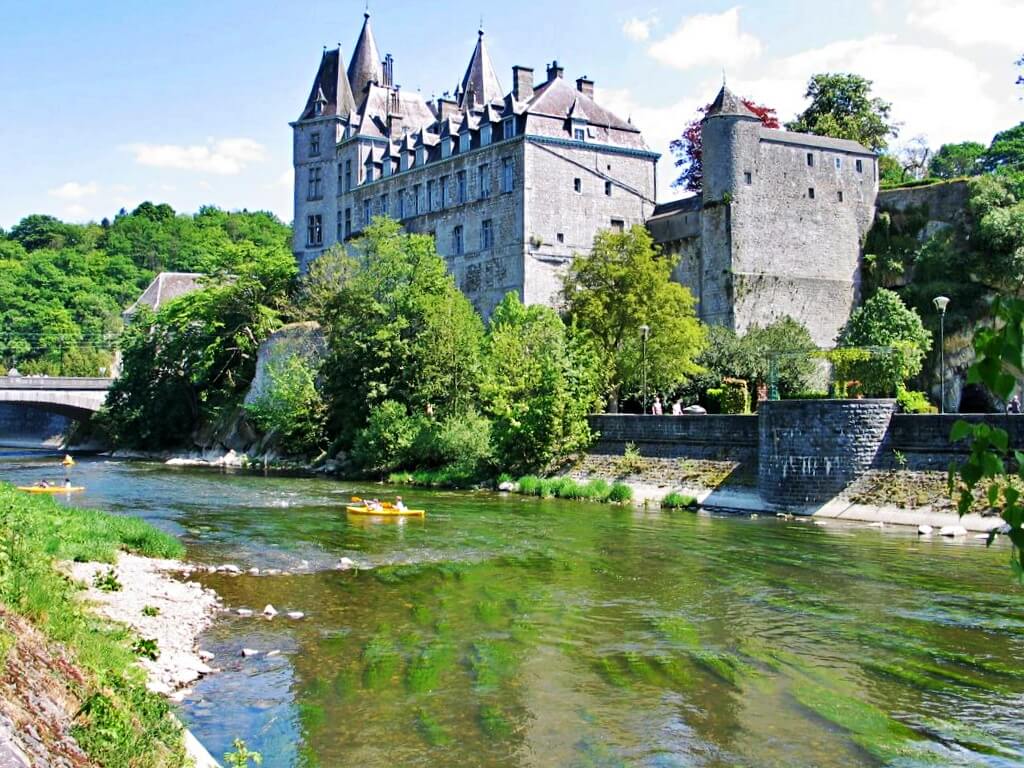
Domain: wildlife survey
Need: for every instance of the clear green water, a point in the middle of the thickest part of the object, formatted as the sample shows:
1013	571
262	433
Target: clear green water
504	631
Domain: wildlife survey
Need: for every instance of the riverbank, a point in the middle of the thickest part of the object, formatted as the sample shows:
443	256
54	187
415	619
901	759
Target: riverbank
72	690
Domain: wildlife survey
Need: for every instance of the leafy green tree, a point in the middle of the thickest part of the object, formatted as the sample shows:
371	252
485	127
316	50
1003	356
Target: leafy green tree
788	343
842	107
953	161
891	172
900	340
196	358
541	382
996	210
399	329
1006	152
291	406
621	285
41	231
386	442
318	287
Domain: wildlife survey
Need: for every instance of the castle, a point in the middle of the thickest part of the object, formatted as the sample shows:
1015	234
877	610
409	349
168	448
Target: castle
512	185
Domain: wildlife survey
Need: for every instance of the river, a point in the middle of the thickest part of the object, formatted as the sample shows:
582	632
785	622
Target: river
504	631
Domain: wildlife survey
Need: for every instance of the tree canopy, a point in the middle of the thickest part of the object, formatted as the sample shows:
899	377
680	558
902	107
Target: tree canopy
625	283
952	161
842	107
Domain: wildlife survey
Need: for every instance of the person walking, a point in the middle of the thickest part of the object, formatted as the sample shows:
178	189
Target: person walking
677	408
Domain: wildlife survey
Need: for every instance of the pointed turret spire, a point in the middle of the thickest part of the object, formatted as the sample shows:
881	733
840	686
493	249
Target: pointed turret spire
480	84
365	67
330	94
728	103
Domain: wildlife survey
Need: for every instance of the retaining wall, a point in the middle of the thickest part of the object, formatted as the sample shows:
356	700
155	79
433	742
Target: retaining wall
685	437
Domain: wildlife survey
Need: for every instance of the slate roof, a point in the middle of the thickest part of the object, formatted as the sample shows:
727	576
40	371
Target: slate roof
331	84
728	103
812	140
365	67
480	84
165	287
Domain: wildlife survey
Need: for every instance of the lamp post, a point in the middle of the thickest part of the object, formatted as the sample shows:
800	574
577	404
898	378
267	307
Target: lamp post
644	331
941	302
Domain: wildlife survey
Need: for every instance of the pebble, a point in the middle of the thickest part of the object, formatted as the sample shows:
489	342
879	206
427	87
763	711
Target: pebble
820	522
270	611
952	530
205	655
229	568
981	536
254	571
345	564
507	486
754	516
924	530
295	614
272	572
249	652
879	524
244	612
275	652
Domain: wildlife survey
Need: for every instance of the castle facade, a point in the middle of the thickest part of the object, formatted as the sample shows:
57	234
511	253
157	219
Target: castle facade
513	184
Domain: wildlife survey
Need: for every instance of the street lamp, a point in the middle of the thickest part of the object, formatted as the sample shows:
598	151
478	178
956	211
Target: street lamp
941	302
644	331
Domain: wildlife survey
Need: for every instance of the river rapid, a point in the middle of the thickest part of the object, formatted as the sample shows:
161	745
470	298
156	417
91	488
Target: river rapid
505	631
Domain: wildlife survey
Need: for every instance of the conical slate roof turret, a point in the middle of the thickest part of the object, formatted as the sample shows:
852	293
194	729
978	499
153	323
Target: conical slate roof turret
365	67
330	91
480	84
727	103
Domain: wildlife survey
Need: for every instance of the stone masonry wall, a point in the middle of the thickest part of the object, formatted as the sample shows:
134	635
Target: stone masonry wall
689	437
810	450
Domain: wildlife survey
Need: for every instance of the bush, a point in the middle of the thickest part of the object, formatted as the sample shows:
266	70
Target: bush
631	461
676	500
813	395
529	485
384	444
291	406
911	401
878	372
460	444
620	493
732	397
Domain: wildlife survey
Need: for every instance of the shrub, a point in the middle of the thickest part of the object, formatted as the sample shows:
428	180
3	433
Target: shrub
631	461
291	406
677	500
462	445
597	489
620	493
735	397
911	401
877	372
812	395
384	444
529	485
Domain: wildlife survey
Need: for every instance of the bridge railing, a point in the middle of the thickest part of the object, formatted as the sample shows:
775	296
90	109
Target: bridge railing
54	382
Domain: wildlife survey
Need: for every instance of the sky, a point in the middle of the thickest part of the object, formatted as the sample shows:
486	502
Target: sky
106	104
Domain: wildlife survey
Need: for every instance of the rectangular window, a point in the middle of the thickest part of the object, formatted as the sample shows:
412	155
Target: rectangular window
484	180
443	191
486	235
366	212
748	177
485	134
618	225
348	175
369	172
860	166
348	222
507	174
608	188
464	142
810	159
839	195
314	145
510	127
579	134
341	178
416	200
560	237
314	230
401	204
460	188
314	192
457	241
839	163
577	185
810	193
341	225
384	205
431	195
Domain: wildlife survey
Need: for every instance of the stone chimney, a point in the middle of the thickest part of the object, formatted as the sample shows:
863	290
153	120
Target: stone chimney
395	113
555	70
446	108
585	86
522	83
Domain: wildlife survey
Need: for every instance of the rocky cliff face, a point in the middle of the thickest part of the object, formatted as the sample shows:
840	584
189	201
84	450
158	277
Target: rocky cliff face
304	339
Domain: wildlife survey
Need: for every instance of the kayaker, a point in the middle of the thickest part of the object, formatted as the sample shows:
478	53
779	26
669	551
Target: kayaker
43	484
399	504
374	506
67	482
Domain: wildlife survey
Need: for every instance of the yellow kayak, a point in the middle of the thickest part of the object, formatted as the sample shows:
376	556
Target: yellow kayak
51	488
384	511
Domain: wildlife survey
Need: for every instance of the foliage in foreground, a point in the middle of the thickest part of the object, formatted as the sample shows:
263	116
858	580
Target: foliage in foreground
291	406
120	723
993	464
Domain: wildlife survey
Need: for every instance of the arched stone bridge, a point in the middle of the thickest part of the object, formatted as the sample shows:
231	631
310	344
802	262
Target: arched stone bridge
76	398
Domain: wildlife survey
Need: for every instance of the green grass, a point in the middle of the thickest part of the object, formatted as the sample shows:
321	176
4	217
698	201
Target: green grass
120	724
677	500
598	489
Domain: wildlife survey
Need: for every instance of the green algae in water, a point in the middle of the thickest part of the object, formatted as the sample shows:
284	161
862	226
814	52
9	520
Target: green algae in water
965	736
677	629
424	672
431	730
380	660
724	666
492	663
494	723
609	669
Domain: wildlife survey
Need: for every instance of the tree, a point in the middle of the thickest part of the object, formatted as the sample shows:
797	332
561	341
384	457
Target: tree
914	157
318	287
842	107
542	380
291	406
955	160
689	148
399	329
785	345
898	337
621	285
1006	152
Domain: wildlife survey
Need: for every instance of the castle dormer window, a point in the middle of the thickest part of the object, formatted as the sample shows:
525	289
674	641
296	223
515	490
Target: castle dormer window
579	134
464	141
509	127
314	145
485	134
421	155
446	146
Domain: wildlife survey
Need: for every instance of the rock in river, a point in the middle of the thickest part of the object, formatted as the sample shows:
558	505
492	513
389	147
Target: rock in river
270	611
924	530
952	530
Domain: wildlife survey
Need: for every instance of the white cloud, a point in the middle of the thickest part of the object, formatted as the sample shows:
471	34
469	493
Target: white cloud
638	30
972	22
72	190
707	40
76	211
225	157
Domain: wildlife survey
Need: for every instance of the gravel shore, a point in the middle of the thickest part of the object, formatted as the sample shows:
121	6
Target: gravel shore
183	610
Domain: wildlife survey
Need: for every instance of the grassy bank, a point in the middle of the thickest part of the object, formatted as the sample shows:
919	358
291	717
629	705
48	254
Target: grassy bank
119	724
567	488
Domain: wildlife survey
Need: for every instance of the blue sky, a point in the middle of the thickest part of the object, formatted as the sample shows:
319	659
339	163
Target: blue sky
106	104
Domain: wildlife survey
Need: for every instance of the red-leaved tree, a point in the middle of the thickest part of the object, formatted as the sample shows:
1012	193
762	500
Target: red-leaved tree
689	149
